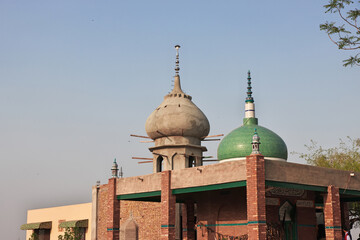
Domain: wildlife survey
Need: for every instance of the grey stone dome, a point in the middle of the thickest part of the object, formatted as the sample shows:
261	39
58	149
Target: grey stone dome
177	115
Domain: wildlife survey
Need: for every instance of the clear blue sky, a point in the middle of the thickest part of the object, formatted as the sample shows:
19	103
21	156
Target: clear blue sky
77	77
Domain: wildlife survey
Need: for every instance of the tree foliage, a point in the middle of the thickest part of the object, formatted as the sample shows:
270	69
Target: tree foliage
34	236
72	234
347	35
346	156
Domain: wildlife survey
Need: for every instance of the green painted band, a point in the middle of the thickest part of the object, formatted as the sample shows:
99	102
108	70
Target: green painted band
333	227
295	186
209	187
168	226
257	222
113	229
138	195
306	225
184	229
350	192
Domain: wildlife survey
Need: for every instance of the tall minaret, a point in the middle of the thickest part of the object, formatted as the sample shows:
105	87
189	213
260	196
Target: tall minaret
177	126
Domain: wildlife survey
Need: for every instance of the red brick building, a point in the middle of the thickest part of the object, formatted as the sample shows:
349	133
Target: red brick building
252	193
249	194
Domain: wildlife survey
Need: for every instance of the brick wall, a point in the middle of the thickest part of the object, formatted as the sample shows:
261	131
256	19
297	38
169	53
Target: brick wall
332	214
188	220
108	212
103	216
306	223
345	221
167	208
145	214
221	211
256	207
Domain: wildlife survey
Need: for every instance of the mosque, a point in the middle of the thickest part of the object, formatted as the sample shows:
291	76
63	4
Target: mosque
251	193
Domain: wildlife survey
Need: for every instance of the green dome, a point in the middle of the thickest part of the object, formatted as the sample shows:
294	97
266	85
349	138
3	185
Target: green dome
237	144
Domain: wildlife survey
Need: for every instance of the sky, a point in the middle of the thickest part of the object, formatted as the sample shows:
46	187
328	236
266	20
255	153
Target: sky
78	77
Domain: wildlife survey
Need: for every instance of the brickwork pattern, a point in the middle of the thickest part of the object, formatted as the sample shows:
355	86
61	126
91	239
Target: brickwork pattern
332	214
103	217
345	221
146	215
255	193
188	221
306	223
223	212
167	208
108	212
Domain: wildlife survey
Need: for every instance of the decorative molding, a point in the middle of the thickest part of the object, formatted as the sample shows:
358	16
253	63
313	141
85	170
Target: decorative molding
305	203
272	201
289	192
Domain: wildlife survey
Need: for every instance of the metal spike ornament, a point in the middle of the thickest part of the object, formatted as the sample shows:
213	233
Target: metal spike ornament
249	92
177	68
121	174
255	143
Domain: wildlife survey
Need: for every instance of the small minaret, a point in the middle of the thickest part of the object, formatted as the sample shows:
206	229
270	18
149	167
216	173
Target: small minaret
255	143
121	173
249	102
114	169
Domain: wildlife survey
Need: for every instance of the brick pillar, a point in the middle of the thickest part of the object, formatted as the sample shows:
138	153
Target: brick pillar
113	211
167	208
188	221
345	221
255	196
332	214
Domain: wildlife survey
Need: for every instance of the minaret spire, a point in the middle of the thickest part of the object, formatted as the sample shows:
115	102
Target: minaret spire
249	92
249	101
177	68
177	85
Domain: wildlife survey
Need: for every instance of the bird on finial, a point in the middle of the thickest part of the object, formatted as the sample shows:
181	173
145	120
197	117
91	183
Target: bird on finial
177	68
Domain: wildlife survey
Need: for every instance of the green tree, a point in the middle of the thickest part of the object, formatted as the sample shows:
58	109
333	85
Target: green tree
346	156
72	234
34	236
347	35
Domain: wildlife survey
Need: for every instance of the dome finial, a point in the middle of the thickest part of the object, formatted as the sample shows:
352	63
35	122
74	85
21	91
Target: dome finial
249	92
177	68
249	102
177	85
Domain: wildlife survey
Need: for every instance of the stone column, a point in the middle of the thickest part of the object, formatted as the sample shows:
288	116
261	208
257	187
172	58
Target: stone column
167	208
113	211
332	214
255	196
188	222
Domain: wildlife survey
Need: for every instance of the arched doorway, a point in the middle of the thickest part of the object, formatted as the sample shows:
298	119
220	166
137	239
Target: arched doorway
159	164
